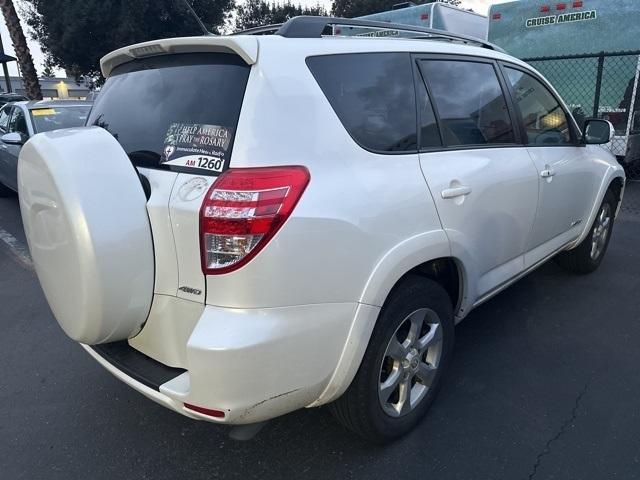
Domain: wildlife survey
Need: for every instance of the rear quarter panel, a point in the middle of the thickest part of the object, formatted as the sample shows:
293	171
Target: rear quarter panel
358	207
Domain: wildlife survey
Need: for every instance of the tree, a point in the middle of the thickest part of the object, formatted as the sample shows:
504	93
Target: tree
255	13
75	34
48	72
23	55
358	8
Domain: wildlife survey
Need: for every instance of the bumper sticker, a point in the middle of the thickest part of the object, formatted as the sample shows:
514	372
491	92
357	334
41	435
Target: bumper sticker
197	145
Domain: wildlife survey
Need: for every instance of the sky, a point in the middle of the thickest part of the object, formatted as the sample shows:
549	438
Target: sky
480	6
38	57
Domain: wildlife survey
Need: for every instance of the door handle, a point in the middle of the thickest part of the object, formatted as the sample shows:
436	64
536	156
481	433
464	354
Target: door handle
455	192
547	173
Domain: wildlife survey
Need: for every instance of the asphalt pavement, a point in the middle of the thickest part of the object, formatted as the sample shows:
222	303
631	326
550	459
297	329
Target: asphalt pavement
545	384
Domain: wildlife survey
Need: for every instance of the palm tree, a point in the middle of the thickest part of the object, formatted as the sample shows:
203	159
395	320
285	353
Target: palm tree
25	61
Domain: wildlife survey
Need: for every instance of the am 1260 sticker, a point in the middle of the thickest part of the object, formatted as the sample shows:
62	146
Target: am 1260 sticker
197	145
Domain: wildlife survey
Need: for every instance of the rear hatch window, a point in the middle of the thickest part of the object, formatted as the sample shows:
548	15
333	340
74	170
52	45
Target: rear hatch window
175	112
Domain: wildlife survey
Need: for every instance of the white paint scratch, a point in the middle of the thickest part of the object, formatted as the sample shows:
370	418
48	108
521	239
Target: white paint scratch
19	251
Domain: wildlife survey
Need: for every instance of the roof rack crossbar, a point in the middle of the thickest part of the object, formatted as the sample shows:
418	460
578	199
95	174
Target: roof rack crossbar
313	27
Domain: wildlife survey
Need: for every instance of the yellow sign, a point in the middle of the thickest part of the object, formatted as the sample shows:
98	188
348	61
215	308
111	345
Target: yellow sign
41	112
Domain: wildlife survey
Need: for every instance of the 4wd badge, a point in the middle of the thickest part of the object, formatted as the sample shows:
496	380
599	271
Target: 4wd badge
192	291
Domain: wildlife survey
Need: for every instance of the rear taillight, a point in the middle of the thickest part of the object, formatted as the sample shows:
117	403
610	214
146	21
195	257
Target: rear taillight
243	210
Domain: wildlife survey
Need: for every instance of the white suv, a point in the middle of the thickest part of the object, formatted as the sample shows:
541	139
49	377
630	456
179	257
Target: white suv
254	224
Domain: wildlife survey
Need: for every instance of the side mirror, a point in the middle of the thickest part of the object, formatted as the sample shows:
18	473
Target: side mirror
12	138
597	131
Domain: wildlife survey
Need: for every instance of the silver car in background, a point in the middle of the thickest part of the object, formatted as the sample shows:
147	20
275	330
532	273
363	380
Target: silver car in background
19	121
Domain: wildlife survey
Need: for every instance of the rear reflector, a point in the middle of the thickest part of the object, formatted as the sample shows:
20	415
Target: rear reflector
243	210
205	411
496	16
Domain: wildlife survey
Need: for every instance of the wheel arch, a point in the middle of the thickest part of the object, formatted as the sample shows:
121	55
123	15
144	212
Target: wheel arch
614	180
443	268
401	259
617	187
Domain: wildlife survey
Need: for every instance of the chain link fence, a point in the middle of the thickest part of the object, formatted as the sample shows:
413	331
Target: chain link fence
604	85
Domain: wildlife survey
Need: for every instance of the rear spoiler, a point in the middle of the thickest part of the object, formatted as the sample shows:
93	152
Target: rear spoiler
244	46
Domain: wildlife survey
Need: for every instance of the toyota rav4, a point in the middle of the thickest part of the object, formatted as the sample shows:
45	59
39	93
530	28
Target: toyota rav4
252	224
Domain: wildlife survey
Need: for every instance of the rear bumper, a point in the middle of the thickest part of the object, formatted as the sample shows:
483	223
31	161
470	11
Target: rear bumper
144	388
252	364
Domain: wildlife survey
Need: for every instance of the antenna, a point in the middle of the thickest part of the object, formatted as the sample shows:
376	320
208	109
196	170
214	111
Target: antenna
196	18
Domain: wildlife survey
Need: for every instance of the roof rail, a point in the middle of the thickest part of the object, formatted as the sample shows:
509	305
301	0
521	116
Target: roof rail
264	30
313	27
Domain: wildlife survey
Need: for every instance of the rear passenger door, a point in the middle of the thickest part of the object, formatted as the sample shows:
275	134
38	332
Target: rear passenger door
568	181
482	179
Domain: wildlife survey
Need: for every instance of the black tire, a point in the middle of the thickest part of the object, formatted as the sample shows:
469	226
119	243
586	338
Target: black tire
631	169
6	191
359	408
580	259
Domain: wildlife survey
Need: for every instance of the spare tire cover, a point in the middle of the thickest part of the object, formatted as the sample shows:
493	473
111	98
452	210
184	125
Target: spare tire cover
85	217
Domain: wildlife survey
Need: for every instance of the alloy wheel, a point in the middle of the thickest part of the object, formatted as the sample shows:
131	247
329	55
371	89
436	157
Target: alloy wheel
600	231
410	362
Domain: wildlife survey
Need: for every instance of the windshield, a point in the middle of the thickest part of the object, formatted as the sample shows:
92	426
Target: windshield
53	118
176	112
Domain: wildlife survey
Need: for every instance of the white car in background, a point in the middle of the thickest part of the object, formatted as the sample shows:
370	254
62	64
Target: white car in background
19	121
254	224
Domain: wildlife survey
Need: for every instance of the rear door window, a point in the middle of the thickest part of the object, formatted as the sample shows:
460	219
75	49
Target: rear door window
177	112
429	131
373	95
469	101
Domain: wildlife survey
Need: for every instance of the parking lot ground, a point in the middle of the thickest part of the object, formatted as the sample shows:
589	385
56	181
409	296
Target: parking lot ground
544	384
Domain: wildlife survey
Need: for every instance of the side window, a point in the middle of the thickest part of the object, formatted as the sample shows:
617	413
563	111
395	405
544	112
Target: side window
373	95
4	118
18	123
429	133
469	101
544	120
